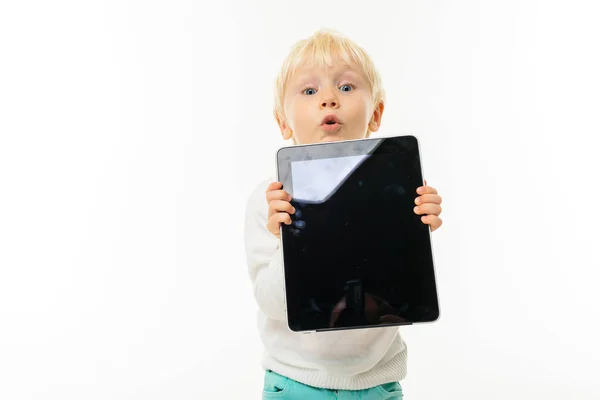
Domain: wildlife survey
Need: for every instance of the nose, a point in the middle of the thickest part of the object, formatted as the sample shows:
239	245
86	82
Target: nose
329	103
329	100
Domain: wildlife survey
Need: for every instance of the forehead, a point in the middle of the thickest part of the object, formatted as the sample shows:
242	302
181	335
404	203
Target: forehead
336	68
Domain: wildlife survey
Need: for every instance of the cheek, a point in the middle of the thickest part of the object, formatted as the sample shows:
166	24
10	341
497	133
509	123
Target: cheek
290	111
368	105
362	112
298	115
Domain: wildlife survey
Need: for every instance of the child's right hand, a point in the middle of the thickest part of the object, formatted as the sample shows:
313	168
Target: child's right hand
280	208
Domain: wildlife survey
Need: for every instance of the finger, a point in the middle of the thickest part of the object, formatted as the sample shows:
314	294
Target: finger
426	190
428	198
276	220
433	221
274	186
280	206
278	195
428	208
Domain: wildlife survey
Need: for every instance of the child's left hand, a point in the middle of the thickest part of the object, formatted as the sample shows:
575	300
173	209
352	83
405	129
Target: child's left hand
428	205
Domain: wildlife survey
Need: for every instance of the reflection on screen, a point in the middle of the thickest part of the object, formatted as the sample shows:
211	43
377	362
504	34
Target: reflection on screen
315	180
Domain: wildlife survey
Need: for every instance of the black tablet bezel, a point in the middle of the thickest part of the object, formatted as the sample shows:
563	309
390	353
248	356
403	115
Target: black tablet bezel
370	146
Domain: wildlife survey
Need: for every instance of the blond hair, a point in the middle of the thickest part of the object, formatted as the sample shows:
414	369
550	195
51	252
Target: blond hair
320	49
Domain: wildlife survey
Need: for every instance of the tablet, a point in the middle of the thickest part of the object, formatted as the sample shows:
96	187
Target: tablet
356	255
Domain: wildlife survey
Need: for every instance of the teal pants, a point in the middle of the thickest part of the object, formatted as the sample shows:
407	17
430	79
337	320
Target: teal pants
280	387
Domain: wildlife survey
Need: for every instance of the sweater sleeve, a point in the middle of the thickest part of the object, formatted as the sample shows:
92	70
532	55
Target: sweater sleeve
263	256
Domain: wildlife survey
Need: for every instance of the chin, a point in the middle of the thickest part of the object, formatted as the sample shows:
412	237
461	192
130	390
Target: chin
334	138
331	138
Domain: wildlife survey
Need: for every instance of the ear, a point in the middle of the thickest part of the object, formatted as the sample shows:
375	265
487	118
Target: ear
375	122
286	132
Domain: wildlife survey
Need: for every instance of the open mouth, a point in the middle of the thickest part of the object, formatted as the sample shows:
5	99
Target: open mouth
330	124
330	120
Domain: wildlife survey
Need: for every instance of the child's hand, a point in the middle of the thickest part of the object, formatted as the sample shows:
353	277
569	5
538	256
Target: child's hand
428	205
280	208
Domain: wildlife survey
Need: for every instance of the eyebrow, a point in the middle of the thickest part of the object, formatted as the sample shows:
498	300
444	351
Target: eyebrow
350	71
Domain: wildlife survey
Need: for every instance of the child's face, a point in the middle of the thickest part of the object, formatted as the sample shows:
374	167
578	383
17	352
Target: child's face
340	93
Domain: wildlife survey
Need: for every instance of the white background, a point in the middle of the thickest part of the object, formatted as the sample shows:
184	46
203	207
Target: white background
132	132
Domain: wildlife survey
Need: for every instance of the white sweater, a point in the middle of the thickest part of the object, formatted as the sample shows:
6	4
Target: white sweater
350	360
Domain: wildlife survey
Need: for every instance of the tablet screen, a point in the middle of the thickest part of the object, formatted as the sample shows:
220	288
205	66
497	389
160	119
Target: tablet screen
356	254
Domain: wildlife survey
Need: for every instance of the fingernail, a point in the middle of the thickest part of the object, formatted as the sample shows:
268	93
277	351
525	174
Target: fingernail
420	190
418	200
416	209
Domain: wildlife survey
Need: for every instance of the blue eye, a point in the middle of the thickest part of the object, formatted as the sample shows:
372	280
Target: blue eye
348	87
309	89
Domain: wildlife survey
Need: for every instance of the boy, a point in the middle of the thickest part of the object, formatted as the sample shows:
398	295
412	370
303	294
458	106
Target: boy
325	76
